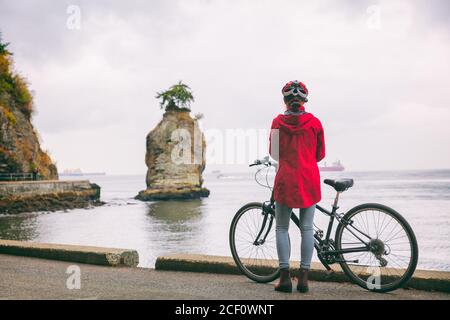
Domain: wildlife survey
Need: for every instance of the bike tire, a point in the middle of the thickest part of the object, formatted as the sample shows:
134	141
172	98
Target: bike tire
407	229
255	275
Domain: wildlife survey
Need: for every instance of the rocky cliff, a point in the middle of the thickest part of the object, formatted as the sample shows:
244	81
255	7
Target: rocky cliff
20	149
175	159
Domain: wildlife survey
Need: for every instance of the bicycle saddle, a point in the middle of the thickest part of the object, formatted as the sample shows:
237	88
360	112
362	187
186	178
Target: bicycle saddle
339	185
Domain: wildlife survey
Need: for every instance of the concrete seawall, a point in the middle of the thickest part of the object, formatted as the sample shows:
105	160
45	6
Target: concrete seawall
24	188
29	196
82	254
422	279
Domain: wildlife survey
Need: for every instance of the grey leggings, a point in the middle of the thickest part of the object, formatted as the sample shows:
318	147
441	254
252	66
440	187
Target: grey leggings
283	216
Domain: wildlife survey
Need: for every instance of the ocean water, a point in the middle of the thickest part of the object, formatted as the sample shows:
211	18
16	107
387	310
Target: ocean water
201	226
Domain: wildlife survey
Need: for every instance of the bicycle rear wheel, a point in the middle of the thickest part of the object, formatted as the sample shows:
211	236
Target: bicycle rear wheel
392	258
253	243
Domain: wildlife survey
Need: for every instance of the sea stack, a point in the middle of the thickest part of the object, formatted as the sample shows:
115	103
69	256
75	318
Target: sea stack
175	158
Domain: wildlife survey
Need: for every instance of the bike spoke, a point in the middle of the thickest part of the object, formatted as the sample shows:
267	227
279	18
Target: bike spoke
389	236
255	257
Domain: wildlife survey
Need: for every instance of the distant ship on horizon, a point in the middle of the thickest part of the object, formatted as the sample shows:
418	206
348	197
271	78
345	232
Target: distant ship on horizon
336	166
218	173
78	172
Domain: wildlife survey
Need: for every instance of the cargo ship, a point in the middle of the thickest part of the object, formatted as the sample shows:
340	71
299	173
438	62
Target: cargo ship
336	166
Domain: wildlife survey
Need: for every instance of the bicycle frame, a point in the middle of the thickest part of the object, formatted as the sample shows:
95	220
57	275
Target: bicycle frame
324	246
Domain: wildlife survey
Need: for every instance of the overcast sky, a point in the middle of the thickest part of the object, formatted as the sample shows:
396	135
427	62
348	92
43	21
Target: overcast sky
378	73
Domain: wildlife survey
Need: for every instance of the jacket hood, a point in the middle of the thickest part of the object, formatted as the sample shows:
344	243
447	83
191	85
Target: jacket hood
293	123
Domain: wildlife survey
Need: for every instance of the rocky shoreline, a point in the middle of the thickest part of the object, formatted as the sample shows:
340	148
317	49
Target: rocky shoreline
33	196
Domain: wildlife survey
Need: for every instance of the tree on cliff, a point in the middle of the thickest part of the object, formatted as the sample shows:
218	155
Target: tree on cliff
177	98
3	50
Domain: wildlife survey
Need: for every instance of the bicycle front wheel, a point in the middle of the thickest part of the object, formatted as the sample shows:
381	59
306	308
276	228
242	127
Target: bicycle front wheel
392	254
253	243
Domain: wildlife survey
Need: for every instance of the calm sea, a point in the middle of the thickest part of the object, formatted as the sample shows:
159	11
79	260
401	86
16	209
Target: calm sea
201	226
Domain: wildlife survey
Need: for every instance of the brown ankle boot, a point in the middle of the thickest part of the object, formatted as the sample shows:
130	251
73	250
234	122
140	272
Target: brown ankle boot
302	284
285	284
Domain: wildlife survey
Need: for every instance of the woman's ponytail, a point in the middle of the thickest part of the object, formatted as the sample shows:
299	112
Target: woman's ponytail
293	105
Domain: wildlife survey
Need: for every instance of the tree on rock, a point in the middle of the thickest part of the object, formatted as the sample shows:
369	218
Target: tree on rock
177	98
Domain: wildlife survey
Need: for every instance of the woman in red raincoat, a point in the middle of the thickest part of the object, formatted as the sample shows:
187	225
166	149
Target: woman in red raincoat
297	143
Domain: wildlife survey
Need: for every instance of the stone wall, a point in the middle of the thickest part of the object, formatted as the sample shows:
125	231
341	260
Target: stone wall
30	196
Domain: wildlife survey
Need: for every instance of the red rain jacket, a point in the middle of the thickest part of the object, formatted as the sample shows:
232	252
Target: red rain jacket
301	146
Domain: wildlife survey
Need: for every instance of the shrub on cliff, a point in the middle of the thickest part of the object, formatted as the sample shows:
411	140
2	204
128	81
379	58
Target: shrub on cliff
177	98
14	92
12	120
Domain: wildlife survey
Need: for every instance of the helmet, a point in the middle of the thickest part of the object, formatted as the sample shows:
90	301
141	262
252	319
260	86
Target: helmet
295	89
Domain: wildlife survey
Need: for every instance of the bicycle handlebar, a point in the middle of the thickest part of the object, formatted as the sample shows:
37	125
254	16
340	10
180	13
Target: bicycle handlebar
265	161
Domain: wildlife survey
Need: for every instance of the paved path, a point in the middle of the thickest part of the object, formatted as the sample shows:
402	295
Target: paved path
32	278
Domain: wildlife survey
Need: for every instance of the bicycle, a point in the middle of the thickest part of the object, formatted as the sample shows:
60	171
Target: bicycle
374	245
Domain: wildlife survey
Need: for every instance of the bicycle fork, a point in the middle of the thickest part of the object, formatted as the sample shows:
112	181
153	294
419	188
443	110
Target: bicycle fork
266	212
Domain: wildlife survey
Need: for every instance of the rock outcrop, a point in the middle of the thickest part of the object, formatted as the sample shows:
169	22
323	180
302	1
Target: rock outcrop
175	159
20	150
